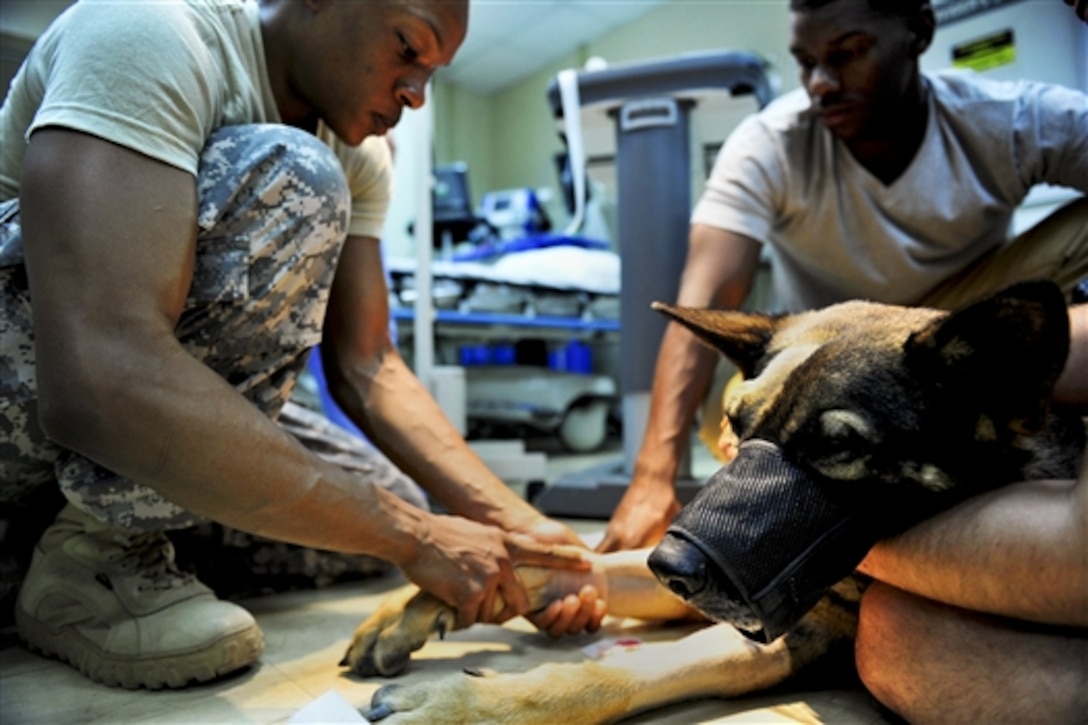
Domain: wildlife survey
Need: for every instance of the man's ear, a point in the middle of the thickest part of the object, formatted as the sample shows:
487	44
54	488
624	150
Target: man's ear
923	25
1001	355
740	336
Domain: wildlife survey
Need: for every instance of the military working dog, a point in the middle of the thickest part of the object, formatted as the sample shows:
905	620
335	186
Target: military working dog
886	403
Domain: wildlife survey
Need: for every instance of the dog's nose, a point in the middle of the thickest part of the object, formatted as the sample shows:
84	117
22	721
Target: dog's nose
679	565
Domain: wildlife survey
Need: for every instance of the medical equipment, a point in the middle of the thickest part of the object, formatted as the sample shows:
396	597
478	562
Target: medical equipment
651	103
574	406
514	213
563	294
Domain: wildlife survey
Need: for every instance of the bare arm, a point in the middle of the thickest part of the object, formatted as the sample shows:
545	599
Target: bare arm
467	564
371	382
110	237
1019	551
718	273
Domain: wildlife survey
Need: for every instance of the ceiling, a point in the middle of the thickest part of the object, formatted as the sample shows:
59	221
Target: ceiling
507	40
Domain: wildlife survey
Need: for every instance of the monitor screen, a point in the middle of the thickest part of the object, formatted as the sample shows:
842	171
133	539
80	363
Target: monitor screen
453	210
452	200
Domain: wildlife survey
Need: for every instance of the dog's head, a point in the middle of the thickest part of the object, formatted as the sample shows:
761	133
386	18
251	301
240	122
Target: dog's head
855	421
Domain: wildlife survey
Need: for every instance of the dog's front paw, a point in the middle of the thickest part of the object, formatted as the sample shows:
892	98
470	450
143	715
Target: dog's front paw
572	693
385	641
468	697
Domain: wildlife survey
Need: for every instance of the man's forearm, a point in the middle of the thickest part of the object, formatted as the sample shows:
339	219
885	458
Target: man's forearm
1020	551
682	376
399	414
165	420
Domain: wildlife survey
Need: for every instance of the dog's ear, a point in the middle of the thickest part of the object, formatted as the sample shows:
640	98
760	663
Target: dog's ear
740	336
1002	354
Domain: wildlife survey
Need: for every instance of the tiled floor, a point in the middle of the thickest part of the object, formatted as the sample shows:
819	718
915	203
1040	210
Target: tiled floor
306	635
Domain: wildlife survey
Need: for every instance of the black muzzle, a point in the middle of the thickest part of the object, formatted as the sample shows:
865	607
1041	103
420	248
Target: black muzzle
762	542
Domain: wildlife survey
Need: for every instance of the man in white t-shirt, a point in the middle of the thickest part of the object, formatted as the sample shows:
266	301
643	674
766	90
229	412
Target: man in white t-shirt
190	199
876	181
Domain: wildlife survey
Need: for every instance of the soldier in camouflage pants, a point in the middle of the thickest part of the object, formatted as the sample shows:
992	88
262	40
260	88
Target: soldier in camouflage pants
272	218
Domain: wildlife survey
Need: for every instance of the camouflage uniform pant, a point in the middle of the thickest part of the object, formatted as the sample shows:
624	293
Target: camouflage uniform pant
272	219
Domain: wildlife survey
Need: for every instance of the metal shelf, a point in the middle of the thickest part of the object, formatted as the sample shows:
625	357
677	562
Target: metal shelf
454	317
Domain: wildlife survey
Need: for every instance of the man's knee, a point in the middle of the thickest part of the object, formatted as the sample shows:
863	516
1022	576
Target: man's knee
1056	249
901	655
1061	241
273	205
883	647
249	172
273	217
927	662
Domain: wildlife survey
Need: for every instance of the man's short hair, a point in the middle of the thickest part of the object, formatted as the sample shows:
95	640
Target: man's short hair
900	8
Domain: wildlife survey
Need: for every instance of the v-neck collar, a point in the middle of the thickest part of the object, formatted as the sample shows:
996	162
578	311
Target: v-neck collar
871	181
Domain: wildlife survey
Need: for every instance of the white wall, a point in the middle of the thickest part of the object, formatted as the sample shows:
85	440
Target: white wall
407	186
1051	44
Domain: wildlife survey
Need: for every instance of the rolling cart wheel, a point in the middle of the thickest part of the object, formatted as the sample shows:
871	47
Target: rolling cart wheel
584	427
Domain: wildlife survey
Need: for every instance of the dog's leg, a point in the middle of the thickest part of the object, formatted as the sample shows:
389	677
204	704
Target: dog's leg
403	623
714	662
717	661
408	618
622	578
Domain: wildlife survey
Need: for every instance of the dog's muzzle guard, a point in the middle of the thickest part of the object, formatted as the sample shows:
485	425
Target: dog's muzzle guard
762	542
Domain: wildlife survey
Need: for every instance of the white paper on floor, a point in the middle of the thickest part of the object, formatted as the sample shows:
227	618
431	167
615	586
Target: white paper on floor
329	708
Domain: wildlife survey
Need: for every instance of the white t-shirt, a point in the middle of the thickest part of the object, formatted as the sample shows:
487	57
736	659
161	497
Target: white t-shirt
837	232
159	78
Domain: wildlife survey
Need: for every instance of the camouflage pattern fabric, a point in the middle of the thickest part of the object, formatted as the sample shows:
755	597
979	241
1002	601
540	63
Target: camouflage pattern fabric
272	217
348	451
238	564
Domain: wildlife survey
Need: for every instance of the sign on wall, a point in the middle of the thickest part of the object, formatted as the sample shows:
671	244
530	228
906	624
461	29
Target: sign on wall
991	51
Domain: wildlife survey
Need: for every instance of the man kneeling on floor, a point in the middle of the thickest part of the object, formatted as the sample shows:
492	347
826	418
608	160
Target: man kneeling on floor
191	199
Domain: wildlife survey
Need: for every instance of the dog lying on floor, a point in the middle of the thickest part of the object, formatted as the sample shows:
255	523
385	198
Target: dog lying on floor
870	401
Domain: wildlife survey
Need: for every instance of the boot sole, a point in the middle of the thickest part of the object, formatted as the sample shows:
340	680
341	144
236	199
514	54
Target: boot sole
228	654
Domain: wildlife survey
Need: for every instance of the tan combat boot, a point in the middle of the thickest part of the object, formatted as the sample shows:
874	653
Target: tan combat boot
114	605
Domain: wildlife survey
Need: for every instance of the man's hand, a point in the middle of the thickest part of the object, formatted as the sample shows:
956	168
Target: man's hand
650	504
547	531
644	514
471	567
1081	7
574	613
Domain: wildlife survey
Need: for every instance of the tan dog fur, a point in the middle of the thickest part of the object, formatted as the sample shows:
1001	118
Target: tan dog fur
817	383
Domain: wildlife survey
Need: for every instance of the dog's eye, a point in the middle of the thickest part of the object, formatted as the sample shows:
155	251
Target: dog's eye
846	425
842	445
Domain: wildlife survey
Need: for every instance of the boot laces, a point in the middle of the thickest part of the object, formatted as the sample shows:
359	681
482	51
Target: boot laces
151	556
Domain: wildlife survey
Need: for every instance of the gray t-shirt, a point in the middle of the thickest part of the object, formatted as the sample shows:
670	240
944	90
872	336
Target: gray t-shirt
837	232
159	78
